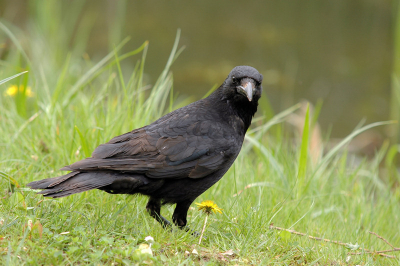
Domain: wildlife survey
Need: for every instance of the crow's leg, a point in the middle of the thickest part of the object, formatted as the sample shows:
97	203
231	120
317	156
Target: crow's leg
180	214
153	207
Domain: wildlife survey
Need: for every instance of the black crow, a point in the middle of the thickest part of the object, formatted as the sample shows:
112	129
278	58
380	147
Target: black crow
176	158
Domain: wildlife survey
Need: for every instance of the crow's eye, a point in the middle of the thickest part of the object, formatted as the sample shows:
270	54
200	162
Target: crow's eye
234	80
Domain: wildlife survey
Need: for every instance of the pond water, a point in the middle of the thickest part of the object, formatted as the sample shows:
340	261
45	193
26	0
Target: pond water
335	50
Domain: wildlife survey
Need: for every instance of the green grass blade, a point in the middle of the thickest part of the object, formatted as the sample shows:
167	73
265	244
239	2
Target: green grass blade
14	40
346	140
60	80
86	77
9	179
278	168
329	156
213	88
303	154
84	143
278	118
12	77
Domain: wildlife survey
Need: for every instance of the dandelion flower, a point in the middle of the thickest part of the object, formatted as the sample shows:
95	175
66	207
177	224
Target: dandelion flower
209	207
14	89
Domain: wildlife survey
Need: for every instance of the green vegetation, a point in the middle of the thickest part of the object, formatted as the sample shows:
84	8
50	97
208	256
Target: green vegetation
67	104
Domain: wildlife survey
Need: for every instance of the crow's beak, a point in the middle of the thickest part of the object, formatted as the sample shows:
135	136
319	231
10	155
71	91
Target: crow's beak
247	88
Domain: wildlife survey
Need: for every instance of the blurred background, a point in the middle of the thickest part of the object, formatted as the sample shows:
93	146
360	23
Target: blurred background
336	52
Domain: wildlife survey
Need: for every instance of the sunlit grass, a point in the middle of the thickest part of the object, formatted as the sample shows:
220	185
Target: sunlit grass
78	104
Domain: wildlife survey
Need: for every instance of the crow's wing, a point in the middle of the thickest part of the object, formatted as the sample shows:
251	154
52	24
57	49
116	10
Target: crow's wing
168	148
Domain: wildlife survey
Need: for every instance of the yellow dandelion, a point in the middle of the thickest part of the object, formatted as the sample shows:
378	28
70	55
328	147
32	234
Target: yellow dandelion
14	89
209	207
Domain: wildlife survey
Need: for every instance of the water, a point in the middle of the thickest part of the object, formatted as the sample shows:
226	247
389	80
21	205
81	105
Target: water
338	51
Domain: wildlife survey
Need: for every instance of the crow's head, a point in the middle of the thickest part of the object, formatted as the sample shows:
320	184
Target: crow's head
243	83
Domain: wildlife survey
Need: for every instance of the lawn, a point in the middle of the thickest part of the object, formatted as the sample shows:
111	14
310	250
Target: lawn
66	104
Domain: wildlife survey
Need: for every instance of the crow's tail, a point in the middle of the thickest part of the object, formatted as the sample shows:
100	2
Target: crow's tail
76	182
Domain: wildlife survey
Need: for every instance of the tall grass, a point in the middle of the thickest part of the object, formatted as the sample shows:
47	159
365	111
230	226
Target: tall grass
78	104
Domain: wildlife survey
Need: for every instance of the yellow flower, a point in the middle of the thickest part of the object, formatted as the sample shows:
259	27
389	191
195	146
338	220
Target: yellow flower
208	207
13	90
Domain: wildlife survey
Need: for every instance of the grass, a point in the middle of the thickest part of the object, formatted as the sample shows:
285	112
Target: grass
79	103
